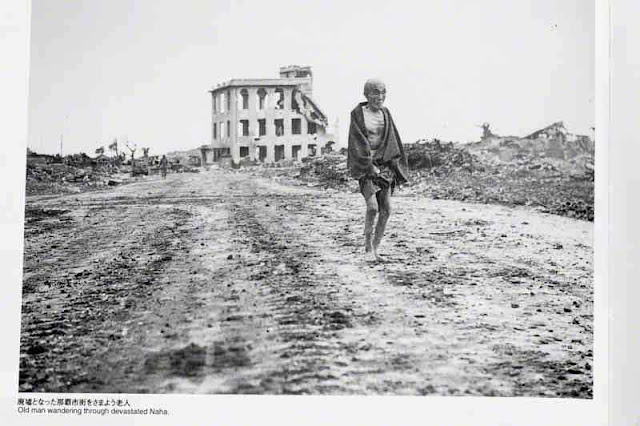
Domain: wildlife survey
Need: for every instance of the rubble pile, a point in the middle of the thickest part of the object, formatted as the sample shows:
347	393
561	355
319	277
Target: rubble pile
179	168
439	170
327	171
447	171
438	157
54	178
55	174
551	193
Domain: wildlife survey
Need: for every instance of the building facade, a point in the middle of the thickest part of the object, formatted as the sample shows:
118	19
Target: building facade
267	120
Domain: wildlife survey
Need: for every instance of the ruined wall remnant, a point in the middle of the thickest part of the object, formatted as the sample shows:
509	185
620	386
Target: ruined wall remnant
486	131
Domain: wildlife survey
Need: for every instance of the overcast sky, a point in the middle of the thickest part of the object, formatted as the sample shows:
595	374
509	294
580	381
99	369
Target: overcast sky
141	69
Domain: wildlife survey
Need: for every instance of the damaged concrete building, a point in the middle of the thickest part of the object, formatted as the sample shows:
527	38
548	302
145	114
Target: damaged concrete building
267	120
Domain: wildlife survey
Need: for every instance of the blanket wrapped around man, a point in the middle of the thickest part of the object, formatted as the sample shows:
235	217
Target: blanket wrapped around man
389	158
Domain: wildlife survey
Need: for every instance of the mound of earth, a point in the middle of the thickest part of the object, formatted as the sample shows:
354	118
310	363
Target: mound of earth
550	170
46	174
328	171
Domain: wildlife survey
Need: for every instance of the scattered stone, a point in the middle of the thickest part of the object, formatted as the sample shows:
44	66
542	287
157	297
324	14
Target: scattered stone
36	350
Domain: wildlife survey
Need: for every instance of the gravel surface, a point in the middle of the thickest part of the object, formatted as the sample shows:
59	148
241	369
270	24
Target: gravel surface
230	283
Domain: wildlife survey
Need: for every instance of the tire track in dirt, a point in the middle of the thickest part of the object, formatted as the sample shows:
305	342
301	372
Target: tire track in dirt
326	302
459	310
308	327
85	277
282	333
475	293
242	285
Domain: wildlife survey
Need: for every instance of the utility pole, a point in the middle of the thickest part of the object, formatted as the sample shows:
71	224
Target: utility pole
64	125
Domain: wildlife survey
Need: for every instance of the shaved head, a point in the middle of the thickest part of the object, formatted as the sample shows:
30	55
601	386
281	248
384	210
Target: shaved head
375	92
373	83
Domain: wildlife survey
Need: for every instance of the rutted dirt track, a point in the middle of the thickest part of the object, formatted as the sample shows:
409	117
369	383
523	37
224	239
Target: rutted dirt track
226	283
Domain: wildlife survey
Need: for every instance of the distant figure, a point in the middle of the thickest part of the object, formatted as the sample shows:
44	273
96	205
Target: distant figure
376	159
163	166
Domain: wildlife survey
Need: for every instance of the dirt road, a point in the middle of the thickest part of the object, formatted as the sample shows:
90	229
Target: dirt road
227	283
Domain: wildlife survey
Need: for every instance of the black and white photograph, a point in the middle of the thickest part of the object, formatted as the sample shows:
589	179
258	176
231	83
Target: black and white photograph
310	198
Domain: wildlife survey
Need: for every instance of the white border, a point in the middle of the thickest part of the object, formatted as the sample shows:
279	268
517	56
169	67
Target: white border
259	410
624	214
14	71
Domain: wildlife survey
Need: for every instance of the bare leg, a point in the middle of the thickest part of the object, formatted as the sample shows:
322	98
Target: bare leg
370	219
383	198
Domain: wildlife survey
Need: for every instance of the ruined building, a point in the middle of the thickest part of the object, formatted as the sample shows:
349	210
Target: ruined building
267	119
553	141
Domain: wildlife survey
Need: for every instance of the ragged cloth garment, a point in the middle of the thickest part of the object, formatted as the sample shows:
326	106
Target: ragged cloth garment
389	156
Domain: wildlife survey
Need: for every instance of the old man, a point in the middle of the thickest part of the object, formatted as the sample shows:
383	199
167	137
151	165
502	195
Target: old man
376	159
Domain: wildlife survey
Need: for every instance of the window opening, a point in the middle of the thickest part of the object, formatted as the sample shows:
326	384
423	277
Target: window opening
296	126
295	151
262	95
279	125
279	152
279	99
244	94
311	128
243	127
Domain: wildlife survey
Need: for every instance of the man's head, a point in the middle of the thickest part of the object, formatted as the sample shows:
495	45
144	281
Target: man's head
375	91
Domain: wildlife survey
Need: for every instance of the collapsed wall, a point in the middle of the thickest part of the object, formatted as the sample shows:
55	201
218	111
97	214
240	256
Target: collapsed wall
553	145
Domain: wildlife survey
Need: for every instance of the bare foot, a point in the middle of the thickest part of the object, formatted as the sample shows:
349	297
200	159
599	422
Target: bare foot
377	257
